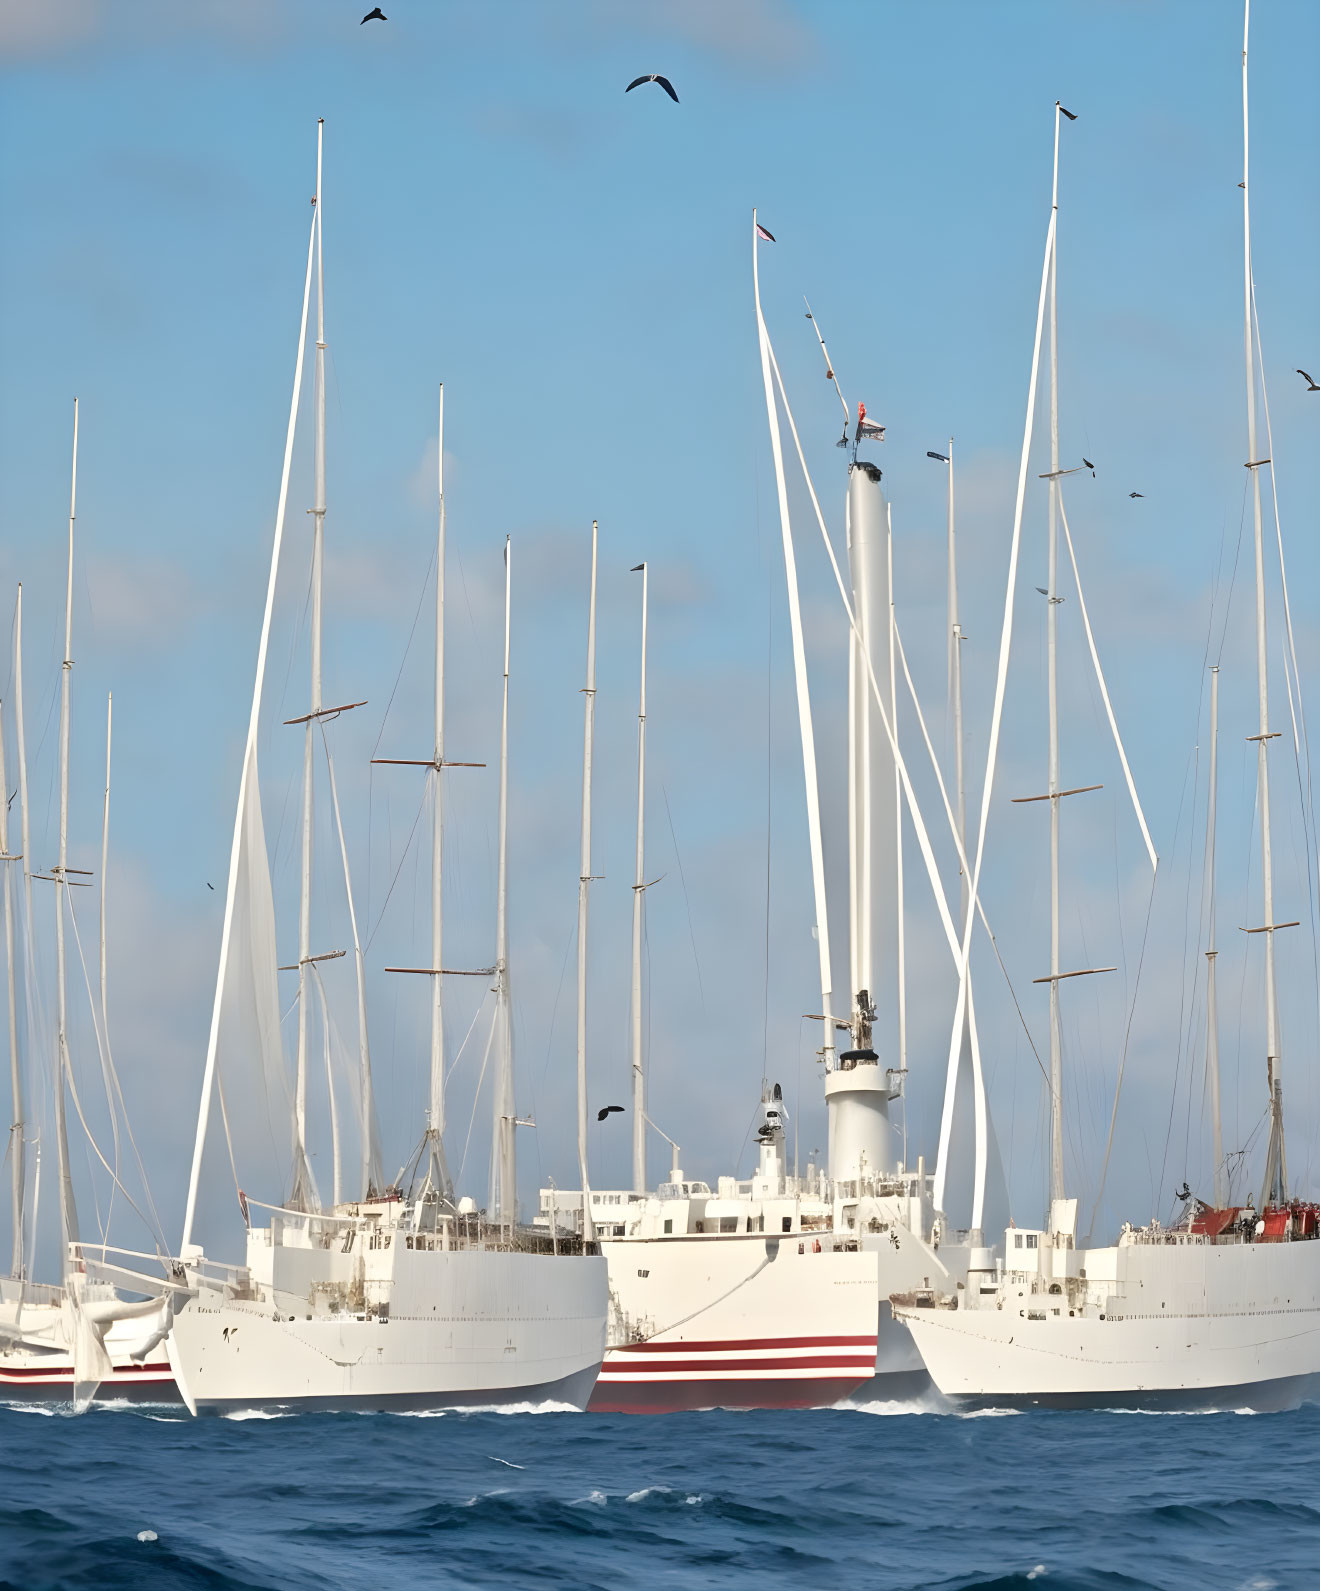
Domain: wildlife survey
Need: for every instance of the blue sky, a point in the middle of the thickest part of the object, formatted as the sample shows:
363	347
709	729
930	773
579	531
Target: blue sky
573	264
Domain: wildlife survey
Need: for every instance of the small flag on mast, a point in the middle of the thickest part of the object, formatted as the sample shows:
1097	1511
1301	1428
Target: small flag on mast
764	232
867	429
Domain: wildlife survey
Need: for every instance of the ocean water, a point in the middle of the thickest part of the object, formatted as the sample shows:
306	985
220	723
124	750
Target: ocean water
877	1497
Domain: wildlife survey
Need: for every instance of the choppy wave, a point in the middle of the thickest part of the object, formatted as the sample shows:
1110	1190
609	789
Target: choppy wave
1046	1501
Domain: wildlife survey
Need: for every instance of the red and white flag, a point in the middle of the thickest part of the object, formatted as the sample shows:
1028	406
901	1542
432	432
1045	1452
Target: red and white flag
868	428
764	232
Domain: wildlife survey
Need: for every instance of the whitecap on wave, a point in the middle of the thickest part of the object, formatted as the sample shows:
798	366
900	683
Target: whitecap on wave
647	1491
498	1491
888	1406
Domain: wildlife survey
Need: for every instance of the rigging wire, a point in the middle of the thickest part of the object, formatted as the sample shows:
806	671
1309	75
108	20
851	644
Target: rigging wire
115	1093
985	923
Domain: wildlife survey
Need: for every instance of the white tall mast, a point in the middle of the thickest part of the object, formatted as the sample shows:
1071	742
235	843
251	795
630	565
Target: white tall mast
1212	952
68	1210
805	726
1052	632
506	1205
435	1115
1275	1189
105	863
584	887
639	891
969	1059
17	1163
955	683
25	841
302	1191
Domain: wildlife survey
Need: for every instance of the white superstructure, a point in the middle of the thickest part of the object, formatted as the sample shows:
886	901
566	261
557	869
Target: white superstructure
390	1304
763	1292
1195	1315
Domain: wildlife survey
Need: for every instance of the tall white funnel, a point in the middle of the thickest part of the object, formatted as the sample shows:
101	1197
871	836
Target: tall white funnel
858	1091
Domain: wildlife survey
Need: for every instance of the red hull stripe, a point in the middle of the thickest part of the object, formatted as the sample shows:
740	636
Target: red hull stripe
28	1372
742	1344
833	1361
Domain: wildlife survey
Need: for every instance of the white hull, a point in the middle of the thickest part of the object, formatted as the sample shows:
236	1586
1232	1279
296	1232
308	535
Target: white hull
37	1358
767	1293
750	1322
395	1327
1187	1321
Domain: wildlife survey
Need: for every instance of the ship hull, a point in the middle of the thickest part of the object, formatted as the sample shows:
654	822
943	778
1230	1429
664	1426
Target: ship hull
462	1329
1183	1326
756	1324
27	1377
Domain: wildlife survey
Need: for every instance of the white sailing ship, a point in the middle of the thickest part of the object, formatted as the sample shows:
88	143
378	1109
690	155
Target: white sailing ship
405	1296
79	1338
772	1290
1225	1304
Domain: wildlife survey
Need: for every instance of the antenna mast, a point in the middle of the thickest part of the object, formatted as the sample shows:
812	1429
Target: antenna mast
302	1197
639	891
584	887
17	1165
437	1170
1052	624
1275	1189
68	1210
29	917
105	866
1212	953
505	1115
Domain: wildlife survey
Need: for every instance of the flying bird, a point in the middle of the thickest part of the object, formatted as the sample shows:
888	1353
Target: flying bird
1311	386
209	884
1088	464
942	457
653	77
608	1110
1071	117
1042	591
1136	494
376	15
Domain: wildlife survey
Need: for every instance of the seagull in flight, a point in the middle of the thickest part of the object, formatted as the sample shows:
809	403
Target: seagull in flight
375	15
1311	386
609	1110
1136	494
653	77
